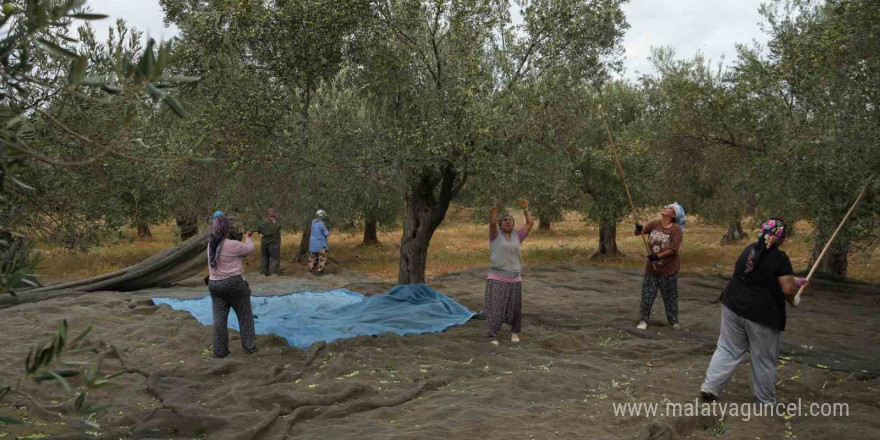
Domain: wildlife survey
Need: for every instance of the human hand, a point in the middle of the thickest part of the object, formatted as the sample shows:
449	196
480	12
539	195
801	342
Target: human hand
638	229
653	257
248	234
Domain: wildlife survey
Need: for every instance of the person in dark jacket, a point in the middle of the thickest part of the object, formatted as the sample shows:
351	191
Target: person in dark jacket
270	245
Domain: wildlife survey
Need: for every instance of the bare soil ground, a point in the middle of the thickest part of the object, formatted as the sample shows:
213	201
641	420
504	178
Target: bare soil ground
580	354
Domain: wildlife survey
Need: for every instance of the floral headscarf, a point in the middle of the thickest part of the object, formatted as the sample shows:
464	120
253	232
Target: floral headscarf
505	214
771	235
219	232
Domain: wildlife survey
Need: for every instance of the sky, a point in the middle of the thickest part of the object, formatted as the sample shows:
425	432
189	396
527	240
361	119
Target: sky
712	27
146	15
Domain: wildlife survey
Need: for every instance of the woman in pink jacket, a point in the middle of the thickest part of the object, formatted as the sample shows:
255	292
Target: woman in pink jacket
228	288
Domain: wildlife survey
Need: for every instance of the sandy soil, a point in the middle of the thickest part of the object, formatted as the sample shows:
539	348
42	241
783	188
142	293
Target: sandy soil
580	354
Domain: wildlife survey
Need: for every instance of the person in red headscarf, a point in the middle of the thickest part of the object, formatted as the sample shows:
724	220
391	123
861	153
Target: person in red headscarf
270	245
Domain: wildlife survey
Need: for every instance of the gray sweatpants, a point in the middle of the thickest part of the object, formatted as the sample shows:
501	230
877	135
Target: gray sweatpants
737	335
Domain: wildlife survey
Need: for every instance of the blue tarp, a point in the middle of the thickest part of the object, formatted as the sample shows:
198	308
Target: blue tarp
307	317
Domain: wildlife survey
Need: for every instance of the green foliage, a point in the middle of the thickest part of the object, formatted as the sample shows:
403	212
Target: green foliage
824	65
75	119
788	132
252	114
621	107
59	360
371	104
708	134
346	119
391	110
16	264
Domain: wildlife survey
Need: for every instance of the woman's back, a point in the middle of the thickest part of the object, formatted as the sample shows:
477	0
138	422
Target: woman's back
318	237
229	259
757	296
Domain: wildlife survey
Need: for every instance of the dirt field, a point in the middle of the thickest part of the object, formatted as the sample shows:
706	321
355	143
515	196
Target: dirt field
579	356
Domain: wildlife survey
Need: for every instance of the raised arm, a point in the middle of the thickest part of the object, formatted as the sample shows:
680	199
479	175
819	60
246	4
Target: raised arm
493	222
246	247
644	229
530	221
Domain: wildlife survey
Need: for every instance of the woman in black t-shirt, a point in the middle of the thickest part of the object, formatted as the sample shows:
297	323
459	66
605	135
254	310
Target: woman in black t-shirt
753	314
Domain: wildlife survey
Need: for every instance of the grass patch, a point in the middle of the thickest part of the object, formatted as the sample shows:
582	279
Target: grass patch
460	244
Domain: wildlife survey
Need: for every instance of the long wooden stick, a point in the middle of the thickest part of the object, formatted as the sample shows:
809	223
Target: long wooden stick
797	297
623	176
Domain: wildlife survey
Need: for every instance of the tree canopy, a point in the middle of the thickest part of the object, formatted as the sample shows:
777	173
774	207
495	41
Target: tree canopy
386	112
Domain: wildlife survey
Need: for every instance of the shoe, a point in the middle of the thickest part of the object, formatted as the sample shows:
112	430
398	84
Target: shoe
514	338
642	325
495	343
708	396
676	326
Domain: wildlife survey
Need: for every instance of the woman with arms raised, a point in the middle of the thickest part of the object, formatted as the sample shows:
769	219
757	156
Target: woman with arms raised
503	303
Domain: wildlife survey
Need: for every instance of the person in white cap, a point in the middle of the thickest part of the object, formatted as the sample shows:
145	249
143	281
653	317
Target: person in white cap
663	263
318	246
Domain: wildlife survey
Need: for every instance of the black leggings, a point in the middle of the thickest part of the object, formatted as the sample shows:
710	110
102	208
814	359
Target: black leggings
232	292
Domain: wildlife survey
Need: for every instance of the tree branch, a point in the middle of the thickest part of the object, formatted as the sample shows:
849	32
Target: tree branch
722	141
460	185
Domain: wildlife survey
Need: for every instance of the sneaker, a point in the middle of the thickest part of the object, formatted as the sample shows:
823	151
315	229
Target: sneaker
676	326
642	325
495	343
708	396
514	338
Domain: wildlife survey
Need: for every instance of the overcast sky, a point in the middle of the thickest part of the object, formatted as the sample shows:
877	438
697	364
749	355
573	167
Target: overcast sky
146	15
712	27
